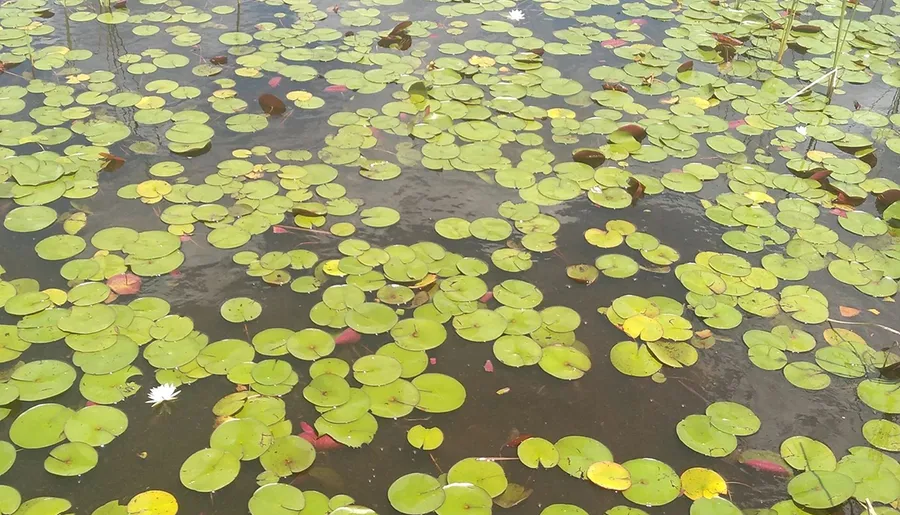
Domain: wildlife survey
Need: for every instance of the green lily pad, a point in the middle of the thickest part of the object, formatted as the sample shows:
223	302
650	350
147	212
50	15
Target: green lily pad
882	434
804	453
417	334
353	434
245	438
375	370
439	393
416	494
276	499
821	489
564	362
733	418
488	475
700	435
42	379
578	453
29	218
808	376
287	455
465	498
883	396
482	325
371	318
40	426
208	470
653	483
71	459
240	310
96	425
426	439
537	452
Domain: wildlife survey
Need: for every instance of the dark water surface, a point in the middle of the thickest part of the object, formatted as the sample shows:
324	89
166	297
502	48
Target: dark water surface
634	417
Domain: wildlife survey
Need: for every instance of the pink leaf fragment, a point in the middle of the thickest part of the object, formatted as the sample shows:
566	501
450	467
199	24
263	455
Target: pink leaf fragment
488	366
613	43
347	336
320	443
768	466
734	124
274	82
278	230
124	284
326	443
839	212
487	297
433	361
335	88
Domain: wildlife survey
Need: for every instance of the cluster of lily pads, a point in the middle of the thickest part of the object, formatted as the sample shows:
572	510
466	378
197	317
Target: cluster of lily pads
478	483
490	107
714	433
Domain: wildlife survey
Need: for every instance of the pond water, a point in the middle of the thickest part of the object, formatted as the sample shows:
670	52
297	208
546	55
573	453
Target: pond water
405	256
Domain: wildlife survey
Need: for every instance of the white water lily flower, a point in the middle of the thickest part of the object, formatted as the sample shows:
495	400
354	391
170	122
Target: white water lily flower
801	129
162	393
516	15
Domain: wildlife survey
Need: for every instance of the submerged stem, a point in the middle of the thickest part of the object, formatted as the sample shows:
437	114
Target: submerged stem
886	328
782	46
839	45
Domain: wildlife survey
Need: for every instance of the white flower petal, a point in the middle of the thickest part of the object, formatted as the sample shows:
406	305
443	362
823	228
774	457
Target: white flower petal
516	15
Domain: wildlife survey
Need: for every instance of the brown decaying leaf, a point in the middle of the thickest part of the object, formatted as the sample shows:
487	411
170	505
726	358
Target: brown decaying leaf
635	189
111	157
578	273
513	495
820	174
703	343
615	87
537	51
844	198
806	28
219	60
271	104
655	269
890	372
397	37
121	4
686	66
727	52
304	212
125	284
726	39
848	312
400	28
419	299
588	156
113	162
886	198
637	132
